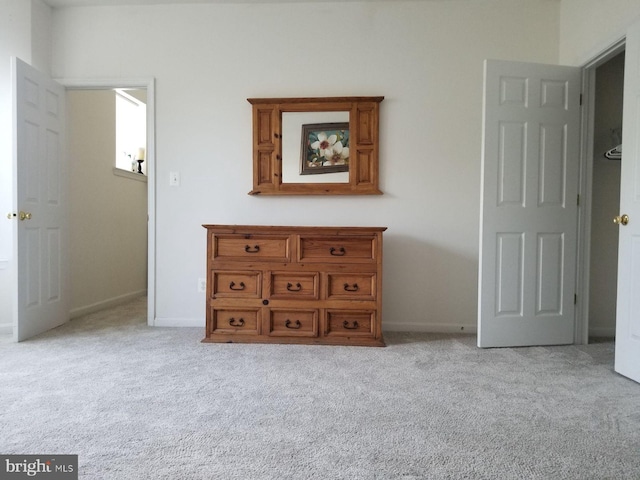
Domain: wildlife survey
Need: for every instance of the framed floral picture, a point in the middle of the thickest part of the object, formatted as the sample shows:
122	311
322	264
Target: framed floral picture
325	148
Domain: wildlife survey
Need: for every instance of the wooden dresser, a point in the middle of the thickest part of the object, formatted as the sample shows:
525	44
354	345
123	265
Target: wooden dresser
306	285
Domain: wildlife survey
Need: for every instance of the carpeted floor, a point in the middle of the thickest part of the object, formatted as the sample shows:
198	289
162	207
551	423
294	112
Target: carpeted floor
154	403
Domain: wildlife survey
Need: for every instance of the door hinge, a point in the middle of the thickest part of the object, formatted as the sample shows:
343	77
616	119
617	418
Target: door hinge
578	201
575	298
580	99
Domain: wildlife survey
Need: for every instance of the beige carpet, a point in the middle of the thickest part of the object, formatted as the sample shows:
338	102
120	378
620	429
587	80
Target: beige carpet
154	403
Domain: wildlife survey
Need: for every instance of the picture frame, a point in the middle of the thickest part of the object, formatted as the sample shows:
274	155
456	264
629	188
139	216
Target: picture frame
324	148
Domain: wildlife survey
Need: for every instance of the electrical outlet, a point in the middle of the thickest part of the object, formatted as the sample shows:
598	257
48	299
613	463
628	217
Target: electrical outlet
202	285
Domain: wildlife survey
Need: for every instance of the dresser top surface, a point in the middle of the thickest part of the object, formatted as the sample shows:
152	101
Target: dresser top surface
333	230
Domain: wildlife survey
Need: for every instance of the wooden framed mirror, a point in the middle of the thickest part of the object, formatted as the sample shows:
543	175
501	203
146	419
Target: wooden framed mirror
315	146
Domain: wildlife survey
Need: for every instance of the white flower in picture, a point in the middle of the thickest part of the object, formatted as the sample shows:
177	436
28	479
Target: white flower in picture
336	155
324	143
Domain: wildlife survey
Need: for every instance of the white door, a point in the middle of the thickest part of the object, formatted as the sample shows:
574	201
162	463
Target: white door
627	357
529	212
40	226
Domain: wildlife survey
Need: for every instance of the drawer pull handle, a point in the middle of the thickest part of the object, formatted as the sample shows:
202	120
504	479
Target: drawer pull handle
294	326
232	286
353	288
337	252
346	325
255	249
291	289
239	323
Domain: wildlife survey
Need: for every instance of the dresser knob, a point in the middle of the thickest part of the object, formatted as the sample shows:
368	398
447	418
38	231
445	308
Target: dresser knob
265	302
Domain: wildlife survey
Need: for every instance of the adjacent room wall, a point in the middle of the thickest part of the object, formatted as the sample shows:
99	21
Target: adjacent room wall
108	213
424	57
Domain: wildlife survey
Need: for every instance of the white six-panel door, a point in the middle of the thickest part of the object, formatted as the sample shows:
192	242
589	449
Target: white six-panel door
627	356
528	229
40	226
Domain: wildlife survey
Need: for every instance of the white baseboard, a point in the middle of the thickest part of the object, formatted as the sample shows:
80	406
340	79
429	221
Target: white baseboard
429	328
386	327
471	329
179	322
109	302
602	331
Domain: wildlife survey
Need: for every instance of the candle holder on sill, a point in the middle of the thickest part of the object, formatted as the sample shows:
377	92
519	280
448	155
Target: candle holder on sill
140	166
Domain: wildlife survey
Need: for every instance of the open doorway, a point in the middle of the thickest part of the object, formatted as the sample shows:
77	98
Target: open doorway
108	202
605	196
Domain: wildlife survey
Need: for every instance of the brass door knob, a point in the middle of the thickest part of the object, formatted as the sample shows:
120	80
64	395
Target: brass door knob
24	215
621	219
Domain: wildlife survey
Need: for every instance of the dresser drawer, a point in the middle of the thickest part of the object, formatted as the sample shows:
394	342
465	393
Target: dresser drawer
234	320
357	286
240	284
294	285
293	323
251	247
350	323
337	249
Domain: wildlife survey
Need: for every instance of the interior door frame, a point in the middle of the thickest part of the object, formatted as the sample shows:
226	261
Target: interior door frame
149	84
581	334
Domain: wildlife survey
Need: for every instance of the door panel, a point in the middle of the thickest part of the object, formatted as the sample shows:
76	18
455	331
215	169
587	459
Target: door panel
39	184
529	207
509	269
627	357
553	140
549	274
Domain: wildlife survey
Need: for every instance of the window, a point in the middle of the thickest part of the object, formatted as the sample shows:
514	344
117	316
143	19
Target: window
131	130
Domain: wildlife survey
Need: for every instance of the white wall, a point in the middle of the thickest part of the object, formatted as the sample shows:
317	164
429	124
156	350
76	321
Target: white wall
13	41
424	57
108	213
18	18
40	36
587	27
